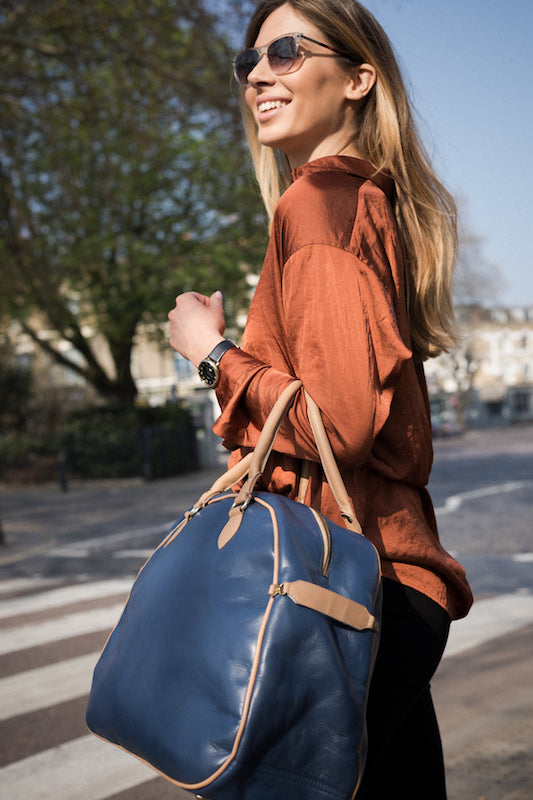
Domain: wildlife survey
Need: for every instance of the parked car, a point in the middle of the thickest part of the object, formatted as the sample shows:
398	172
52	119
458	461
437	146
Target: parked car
446	423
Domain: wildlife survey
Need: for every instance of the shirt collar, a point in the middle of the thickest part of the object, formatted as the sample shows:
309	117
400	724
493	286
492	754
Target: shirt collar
355	166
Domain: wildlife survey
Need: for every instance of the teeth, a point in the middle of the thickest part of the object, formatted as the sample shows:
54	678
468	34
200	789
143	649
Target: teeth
269	104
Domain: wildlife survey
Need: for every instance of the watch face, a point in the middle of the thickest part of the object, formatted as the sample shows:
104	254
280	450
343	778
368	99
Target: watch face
208	372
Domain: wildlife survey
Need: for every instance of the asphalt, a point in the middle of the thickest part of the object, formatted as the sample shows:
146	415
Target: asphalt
483	689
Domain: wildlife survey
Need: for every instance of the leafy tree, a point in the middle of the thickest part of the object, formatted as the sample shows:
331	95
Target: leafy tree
123	179
478	281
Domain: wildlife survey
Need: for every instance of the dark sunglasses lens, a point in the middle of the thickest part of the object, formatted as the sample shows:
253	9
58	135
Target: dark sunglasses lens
282	54
244	64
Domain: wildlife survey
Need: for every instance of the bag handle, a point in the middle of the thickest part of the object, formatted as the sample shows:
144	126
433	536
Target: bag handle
262	452
331	469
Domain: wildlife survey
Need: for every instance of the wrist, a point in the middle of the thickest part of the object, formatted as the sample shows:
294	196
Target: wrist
205	347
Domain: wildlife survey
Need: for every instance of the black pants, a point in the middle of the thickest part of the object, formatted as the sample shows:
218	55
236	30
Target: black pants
404	746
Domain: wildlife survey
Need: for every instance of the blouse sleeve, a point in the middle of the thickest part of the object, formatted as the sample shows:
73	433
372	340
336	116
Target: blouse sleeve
342	336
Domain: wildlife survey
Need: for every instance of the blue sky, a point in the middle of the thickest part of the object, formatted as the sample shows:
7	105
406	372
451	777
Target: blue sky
469	64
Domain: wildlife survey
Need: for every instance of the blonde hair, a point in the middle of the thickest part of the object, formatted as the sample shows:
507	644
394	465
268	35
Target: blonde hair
386	137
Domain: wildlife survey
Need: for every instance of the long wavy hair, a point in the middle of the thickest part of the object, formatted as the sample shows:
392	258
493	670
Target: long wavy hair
387	137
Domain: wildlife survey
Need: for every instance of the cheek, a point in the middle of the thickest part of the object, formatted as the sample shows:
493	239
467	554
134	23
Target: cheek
319	82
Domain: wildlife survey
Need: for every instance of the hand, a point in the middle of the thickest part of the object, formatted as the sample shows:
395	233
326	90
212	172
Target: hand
197	325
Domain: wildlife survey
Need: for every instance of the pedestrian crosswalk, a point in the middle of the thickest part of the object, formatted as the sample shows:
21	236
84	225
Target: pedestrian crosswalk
50	639
51	634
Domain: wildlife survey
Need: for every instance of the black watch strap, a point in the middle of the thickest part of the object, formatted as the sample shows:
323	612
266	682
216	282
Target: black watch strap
218	351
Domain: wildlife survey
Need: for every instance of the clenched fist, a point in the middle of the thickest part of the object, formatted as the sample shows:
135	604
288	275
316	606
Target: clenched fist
197	324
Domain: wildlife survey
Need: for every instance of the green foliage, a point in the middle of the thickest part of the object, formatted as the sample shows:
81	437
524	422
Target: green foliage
18	452
28	459
129	441
108	442
123	175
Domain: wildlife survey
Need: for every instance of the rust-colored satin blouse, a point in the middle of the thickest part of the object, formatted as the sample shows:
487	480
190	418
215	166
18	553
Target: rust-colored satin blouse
330	310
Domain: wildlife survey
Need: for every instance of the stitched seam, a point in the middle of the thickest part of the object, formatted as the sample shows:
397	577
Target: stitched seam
344	249
296	778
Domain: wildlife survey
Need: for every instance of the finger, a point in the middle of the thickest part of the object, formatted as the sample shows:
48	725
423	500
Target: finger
188	297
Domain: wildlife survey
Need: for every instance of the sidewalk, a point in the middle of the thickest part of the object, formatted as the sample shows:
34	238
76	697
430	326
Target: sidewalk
484	702
34	518
483	693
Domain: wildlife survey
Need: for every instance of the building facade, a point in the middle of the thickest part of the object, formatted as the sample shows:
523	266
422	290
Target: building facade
491	374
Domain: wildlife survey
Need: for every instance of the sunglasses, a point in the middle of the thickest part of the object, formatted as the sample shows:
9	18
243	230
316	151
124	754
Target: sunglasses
284	55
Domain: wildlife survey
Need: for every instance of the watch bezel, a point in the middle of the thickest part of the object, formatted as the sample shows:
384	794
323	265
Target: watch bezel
208	372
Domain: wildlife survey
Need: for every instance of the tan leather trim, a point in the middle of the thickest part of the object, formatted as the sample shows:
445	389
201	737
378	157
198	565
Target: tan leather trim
255	665
171	535
333	605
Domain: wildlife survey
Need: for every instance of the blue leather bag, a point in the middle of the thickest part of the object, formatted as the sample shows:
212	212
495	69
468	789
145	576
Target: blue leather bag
239	669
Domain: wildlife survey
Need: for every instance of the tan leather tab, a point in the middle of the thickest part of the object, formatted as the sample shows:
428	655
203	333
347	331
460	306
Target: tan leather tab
231	527
330	603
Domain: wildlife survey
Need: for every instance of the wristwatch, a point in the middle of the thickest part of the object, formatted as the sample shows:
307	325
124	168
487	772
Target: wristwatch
208	366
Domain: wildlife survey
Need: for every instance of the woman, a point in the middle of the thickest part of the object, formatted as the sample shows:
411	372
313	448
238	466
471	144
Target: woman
354	294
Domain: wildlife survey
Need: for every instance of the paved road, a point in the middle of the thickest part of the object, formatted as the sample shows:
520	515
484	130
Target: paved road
50	637
63	586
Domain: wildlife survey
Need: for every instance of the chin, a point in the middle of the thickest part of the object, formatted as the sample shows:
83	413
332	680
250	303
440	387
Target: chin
269	140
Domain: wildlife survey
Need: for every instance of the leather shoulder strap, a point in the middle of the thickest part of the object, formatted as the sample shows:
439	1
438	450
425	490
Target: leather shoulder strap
329	465
258	459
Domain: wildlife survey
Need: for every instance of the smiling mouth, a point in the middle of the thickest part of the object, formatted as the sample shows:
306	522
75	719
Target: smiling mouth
268	105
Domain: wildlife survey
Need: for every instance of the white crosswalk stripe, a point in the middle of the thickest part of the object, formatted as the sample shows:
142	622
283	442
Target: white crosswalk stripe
55	598
95	770
46	686
41	674
61	628
11	585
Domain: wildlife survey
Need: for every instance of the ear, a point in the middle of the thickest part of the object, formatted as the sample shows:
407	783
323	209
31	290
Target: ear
361	81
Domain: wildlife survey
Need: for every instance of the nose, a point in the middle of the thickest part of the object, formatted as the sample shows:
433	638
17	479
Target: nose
261	73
